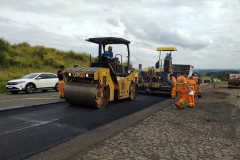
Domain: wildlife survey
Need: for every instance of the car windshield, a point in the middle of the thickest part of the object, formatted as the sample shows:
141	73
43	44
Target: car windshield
30	76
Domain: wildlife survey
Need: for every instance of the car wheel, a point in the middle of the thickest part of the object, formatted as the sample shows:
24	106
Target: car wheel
14	92
56	87
30	88
44	90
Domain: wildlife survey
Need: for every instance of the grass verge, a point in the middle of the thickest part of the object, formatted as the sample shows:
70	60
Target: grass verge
222	82
3	88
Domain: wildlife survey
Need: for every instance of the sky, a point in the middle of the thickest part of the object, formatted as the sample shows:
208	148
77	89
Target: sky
205	32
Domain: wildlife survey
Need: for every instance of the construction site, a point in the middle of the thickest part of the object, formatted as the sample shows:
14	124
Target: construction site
119	80
111	112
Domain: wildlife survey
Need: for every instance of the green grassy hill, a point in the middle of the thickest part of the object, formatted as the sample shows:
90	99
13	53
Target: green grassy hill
20	59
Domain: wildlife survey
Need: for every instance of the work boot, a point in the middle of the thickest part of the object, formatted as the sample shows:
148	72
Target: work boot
189	106
178	107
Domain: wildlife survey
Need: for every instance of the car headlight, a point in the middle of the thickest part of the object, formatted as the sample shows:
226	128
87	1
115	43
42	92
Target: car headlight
86	75
21	82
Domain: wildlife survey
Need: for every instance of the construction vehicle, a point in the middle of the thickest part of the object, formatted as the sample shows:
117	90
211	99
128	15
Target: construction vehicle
178	68
207	80
157	79
104	80
234	81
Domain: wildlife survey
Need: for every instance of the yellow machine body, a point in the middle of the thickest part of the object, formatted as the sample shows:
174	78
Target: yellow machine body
94	87
155	80
106	79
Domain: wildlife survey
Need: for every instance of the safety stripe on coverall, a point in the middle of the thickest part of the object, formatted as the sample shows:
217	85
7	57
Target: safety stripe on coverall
182	83
182	101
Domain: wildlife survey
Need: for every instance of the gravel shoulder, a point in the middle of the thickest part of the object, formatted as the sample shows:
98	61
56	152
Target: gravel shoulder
211	130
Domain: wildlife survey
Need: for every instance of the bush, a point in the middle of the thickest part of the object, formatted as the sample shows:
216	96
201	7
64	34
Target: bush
24	44
83	57
4	45
2	58
40	52
3	48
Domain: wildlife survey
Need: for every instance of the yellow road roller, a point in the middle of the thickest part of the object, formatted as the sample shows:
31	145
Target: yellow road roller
107	79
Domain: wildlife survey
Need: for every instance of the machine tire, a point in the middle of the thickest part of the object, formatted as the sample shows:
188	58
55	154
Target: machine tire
45	90
133	91
14	92
56	87
104	99
30	88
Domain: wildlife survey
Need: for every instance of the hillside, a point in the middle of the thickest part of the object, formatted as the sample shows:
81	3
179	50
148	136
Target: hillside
20	59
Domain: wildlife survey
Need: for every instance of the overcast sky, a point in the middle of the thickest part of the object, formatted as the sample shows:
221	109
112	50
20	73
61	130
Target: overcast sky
205	32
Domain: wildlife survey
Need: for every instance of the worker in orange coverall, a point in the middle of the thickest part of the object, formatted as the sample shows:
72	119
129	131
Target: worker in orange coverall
194	77
193	85
61	83
174	86
198	85
182	89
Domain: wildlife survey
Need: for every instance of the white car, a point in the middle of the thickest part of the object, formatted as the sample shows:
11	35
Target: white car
32	82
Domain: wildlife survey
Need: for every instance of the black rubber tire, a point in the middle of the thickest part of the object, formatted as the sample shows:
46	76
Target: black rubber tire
133	91
14	92
56	87
30	88
44	90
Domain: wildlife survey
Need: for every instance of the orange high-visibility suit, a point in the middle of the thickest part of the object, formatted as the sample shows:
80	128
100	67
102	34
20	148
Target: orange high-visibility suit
199	89
193	86
61	86
195	79
182	90
173	91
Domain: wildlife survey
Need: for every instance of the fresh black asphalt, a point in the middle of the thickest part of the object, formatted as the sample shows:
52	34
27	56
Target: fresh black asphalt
28	131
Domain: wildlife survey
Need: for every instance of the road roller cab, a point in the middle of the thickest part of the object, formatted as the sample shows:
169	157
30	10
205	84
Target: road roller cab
105	80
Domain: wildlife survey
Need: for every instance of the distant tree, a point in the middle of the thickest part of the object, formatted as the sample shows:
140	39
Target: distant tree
222	75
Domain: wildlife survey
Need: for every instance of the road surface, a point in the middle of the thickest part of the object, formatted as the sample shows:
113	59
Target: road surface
28	131
9	101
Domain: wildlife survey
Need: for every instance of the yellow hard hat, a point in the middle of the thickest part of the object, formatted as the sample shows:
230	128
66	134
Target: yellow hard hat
110	47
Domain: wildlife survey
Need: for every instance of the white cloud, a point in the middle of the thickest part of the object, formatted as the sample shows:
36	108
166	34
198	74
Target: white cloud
195	55
205	32
113	21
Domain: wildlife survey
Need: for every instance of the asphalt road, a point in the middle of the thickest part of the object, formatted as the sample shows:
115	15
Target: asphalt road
27	131
8	101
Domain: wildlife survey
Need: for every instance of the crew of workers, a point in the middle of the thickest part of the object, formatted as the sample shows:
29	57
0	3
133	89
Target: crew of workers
184	86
